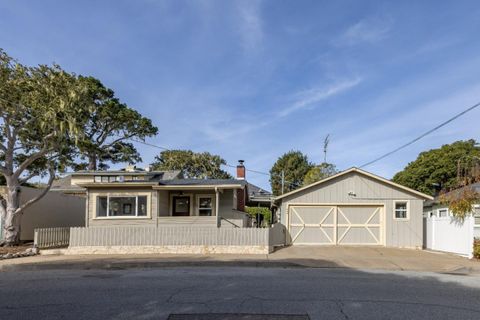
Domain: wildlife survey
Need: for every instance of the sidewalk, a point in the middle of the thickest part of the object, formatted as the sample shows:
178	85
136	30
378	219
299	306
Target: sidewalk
290	257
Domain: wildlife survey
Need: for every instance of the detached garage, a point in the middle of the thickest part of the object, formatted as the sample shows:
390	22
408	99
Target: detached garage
353	207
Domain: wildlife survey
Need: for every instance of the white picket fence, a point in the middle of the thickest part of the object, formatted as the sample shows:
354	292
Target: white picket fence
450	235
52	237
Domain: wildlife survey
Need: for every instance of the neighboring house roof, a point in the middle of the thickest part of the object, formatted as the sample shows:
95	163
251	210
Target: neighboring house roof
258	194
365	173
474	186
154	175
65	184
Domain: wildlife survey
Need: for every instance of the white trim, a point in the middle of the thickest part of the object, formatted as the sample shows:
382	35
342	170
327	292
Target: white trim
381	241
205	195
116	195
368	174
395	210
198	187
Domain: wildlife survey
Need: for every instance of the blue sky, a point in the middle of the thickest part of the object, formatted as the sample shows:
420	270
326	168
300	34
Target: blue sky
253	79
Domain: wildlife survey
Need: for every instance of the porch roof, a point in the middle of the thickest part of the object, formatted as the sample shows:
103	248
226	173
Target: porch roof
201	184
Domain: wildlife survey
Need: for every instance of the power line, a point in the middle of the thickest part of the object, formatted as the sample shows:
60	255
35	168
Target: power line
226	164
421	136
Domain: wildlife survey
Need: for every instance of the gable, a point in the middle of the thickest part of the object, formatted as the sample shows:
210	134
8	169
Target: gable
363	184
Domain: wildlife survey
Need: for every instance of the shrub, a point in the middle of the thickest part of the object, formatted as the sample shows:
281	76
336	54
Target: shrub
476	249
460	202
265	212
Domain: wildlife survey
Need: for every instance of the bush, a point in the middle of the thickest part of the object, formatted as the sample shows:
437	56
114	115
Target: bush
476	249
265	212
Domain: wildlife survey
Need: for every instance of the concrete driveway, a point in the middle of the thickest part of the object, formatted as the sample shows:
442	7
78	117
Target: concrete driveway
357	257
361	258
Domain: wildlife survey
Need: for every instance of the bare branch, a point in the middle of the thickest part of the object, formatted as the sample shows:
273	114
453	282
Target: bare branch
31	159
38	197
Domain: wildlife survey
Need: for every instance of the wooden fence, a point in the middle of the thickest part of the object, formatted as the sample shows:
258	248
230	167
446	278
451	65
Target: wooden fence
52	237
168	236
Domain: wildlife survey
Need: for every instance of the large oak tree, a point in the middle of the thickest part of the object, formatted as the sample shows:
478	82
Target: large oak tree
42	113
437	168
109	129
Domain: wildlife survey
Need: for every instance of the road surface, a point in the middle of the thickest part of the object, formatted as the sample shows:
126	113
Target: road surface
235	293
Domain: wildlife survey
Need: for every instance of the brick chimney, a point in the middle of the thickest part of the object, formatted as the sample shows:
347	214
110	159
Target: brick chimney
240	170
241	196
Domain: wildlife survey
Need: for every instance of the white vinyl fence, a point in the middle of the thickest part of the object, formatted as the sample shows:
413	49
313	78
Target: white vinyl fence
168	236
52	237
450	235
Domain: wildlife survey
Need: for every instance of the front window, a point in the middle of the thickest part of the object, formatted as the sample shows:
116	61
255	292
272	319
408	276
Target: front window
401	210
205	206
115	206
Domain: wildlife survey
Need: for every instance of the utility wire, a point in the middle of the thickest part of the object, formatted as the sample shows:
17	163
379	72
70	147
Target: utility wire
227	164
421	136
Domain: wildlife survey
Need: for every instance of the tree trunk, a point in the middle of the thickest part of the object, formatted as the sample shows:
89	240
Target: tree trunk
92	162
11	229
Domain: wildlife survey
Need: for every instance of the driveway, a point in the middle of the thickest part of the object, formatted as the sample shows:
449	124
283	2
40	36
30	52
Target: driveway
361	258
356	257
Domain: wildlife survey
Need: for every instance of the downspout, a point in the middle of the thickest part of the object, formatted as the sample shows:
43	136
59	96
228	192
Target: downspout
217	212
87	208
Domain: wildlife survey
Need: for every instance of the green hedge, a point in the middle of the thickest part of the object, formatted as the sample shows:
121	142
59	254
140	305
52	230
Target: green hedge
265	212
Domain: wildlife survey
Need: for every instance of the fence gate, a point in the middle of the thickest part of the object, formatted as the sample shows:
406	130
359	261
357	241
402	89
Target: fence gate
336	224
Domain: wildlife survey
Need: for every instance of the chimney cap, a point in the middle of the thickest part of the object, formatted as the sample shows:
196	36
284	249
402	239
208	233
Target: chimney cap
240	162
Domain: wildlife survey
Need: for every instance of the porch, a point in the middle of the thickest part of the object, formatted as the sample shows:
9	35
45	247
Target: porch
186	205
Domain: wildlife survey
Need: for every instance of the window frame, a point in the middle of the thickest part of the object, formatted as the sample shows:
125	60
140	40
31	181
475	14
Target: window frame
197	204
407	202
136	216
443	210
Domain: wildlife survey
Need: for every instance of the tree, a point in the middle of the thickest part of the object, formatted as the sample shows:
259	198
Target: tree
437	168
192	164
319	172
109	128
41	117
295	166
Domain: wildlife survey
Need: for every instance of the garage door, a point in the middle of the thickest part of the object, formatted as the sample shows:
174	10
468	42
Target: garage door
336	225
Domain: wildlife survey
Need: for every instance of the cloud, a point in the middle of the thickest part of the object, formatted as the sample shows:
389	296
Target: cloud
310	97
250	25
369	30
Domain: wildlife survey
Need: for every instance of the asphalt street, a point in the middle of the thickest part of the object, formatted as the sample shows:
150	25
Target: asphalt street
236	293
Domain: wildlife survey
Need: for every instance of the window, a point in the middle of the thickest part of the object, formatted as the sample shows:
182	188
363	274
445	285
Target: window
115	206
97	179
205	205
401	210
442	213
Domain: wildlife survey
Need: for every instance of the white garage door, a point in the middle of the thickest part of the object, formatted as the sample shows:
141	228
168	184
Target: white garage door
336	225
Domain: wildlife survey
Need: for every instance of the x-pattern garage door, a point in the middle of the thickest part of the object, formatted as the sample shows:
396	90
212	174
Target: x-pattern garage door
337	225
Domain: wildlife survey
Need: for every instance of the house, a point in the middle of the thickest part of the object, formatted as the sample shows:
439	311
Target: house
435	208
71	184
353	207
158	198
52	210
258	197
445	232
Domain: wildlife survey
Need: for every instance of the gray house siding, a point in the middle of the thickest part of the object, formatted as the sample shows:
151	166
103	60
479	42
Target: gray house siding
159	205
398	233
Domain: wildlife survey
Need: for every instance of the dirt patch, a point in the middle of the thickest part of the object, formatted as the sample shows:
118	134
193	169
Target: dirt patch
16	249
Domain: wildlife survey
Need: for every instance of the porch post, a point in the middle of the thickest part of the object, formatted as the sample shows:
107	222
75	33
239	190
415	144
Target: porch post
217	201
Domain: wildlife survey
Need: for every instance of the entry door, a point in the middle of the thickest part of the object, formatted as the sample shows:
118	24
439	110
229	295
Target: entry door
181	206
336	224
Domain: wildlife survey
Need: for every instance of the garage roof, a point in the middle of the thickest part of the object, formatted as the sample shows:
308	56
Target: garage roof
357	170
